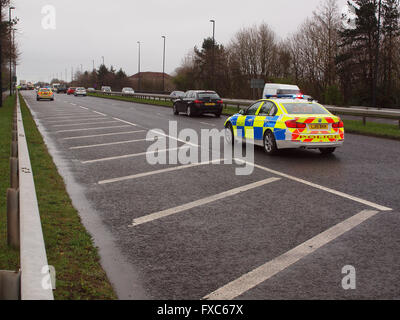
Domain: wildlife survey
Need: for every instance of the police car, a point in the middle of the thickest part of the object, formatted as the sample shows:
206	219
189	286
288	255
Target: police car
287	123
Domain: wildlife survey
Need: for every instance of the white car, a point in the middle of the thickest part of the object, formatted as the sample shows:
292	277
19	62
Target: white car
277	90
128	91
91	90
80	92
177	94
105	89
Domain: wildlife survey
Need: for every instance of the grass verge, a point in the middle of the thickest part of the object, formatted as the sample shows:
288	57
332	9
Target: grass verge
69	246
9	258
374	129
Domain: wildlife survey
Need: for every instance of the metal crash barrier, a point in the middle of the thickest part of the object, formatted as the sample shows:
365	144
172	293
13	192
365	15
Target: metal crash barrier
362	112
24	229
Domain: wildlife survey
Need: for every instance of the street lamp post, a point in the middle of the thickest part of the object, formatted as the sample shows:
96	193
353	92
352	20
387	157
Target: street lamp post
139	67
213	54
9	17
15	59
163	75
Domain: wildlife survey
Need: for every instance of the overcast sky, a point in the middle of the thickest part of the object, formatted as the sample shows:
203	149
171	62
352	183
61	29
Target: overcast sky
86	30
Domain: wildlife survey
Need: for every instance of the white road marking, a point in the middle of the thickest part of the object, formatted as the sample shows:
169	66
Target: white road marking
73	104
250	280
146	174
76	117
201	202
208	124
130	123
75	120
107	144
81	124
314	185
103	135
99	113
134	155
88	129
174	138
84	108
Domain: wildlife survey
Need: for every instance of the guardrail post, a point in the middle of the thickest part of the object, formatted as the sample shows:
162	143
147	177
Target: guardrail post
13	218
364	120
10	283
14	178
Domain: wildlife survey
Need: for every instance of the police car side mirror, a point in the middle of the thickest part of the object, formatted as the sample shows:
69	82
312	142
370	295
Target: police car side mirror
241	112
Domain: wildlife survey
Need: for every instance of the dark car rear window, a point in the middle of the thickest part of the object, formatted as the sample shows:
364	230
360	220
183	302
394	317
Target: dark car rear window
208	95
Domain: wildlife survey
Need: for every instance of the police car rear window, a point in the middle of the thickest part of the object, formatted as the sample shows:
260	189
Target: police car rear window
304	108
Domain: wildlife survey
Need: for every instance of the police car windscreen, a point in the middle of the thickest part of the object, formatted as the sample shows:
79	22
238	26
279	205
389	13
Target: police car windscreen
304	108
288	91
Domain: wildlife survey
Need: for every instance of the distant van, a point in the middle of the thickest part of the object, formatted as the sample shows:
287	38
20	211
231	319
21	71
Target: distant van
276	90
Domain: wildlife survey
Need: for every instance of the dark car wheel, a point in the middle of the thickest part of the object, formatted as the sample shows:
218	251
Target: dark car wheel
327	150
175	110
270	143
218	115
189	111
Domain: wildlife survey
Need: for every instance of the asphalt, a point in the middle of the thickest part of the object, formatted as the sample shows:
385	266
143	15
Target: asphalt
196	251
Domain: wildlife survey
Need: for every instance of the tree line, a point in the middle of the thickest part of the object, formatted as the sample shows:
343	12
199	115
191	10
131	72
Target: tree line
338	59
7	46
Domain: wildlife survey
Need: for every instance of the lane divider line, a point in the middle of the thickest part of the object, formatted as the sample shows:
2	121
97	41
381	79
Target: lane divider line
261	274
99	113
103	135
317	186
107	144
88	129
134	155
81	124
127	122
201	202
151	173
80	119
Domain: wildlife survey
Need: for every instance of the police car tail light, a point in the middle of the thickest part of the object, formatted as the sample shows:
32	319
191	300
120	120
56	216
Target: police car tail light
337	125
295	125
198	102
220	101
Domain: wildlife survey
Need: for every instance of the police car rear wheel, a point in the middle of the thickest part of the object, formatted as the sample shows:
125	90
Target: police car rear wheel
327	150
270	143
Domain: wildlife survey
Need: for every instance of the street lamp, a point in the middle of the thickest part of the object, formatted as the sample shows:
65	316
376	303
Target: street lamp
9	17
15	60
163	76
139	66
213	54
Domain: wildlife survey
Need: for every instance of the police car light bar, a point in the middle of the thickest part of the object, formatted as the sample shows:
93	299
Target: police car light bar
285	96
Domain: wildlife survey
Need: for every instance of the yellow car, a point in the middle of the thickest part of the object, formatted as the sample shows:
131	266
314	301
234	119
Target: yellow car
287	124
45	93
